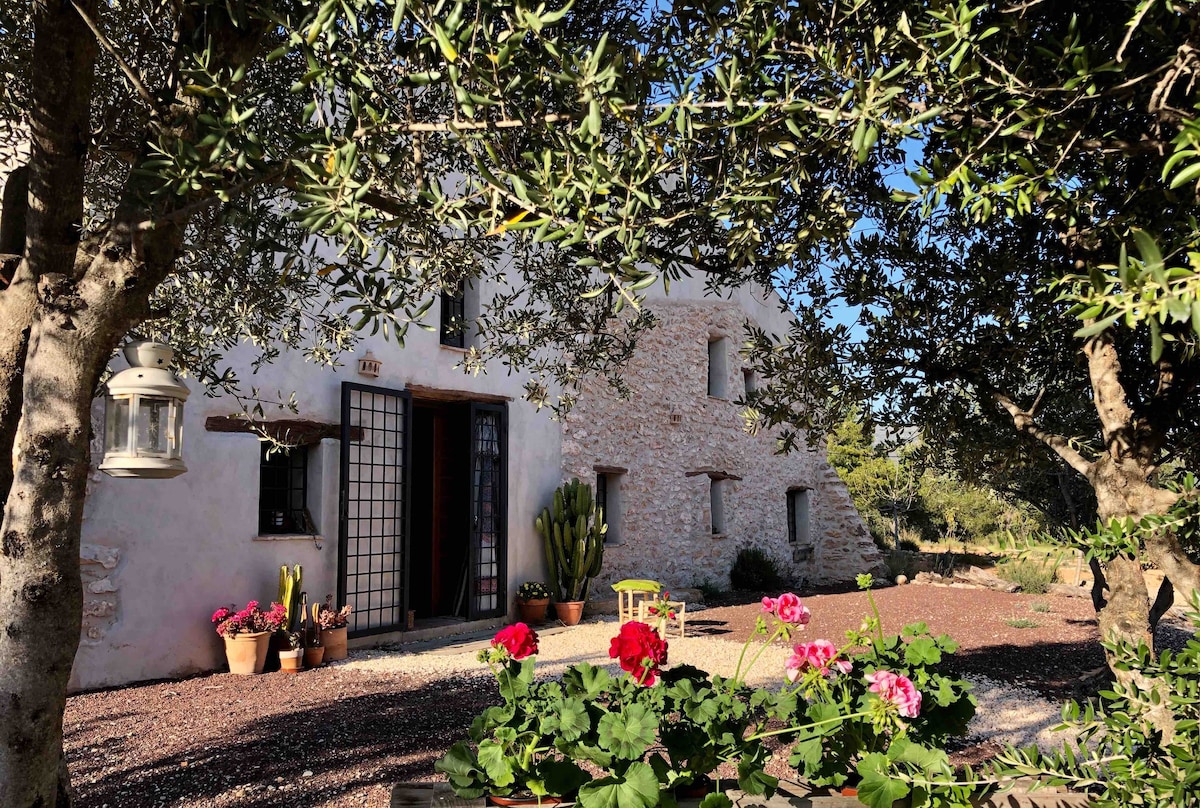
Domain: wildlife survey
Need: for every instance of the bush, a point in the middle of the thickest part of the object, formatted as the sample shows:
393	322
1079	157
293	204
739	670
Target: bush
1034	577
755	571
911	545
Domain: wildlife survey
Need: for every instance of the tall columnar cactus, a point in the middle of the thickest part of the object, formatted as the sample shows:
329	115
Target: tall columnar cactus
572	531
289	594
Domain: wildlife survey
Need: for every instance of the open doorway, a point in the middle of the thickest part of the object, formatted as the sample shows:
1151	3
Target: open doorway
441	526
423	518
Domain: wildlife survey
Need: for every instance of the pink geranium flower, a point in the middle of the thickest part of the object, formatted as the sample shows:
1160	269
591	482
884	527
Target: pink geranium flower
768	605
898	690
817	655
790	610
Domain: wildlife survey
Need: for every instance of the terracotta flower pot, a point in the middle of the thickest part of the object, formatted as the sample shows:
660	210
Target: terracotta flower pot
291	661
314	656
533	611
334	640
569	613
247	653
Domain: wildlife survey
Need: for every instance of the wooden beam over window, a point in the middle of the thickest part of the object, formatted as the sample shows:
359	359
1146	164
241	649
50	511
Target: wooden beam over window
424	393
289	431
712	473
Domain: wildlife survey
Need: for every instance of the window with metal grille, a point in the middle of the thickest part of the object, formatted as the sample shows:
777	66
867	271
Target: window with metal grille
282	491
454	316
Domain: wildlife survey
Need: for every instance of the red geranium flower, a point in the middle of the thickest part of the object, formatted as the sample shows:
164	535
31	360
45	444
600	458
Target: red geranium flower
518	639
640	650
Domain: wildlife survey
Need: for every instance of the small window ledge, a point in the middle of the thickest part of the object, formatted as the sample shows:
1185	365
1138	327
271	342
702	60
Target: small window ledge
314	538
454	348
717	536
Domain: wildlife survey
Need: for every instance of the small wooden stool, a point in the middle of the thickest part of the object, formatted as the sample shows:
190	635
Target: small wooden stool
680	618
631	593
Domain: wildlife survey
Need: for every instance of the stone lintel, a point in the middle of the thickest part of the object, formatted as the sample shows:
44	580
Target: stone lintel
601	469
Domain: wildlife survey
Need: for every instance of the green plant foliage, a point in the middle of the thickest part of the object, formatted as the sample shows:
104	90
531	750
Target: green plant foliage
1033	576
1021	622
1123	756
572	531
754	571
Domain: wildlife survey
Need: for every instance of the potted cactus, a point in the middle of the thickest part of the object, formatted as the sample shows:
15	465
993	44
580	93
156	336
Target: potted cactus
572	532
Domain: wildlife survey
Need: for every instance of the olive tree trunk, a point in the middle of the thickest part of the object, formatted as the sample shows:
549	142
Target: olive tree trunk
1122	479
70	304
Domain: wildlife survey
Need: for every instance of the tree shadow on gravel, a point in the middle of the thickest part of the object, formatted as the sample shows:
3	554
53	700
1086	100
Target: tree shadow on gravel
349	744
1051	668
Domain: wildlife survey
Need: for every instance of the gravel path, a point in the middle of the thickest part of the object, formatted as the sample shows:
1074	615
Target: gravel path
342	735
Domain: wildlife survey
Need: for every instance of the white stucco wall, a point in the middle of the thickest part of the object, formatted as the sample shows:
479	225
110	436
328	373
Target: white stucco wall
161	555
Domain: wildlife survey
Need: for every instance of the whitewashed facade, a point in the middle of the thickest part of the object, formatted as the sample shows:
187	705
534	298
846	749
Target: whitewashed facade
430	508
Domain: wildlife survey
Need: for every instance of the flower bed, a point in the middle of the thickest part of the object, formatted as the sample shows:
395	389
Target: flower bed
851	714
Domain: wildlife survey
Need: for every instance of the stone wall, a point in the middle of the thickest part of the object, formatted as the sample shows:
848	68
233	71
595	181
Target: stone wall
672	440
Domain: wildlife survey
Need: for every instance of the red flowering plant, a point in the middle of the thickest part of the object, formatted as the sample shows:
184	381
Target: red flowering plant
512	745
249	620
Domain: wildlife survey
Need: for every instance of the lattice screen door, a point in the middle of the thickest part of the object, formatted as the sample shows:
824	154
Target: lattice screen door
489	511
374	518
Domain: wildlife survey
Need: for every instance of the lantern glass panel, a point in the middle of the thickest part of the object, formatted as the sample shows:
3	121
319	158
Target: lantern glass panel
116	438
177	430
153	425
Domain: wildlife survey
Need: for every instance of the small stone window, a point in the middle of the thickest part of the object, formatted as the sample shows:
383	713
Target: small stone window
716	504
608	500
283	491
750	381
799	532
718	367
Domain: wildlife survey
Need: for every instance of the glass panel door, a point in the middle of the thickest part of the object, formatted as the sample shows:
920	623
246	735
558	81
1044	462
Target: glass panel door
489	512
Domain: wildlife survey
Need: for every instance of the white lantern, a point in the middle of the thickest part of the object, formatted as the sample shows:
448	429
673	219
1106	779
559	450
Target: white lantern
143	421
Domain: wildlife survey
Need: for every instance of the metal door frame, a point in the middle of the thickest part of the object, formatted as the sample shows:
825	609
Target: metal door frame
474	542
404	414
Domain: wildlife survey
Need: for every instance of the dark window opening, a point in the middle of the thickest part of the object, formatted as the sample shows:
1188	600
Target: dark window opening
798	516
282	491
454	317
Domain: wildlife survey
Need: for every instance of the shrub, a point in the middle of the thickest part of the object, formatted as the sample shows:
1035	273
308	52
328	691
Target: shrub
1034	577
1039	606
754	570
911	545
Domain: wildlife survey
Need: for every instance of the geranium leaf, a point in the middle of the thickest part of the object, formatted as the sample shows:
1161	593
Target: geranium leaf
637	789
493	760
587	680
876	788
562	776
629	733
572	719
716	799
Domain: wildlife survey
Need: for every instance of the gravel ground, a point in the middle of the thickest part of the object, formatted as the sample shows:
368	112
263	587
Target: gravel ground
342	735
